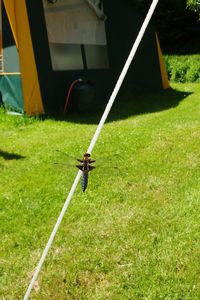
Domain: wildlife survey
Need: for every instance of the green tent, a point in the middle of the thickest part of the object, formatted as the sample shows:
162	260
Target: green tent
50	44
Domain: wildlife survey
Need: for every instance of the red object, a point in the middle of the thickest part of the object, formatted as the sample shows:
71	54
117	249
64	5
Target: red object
69	93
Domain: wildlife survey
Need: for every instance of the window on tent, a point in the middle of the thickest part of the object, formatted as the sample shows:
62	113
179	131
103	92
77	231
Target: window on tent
76	34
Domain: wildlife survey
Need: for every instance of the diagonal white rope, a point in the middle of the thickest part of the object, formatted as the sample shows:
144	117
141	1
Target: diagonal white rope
92	144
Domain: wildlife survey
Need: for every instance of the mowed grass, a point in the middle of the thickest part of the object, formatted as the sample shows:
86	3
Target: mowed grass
135	232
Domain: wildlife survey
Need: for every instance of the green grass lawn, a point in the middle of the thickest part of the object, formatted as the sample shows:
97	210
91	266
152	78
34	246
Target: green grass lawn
135	232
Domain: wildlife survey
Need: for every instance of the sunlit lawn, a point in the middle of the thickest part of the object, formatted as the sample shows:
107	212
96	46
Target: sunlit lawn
135	232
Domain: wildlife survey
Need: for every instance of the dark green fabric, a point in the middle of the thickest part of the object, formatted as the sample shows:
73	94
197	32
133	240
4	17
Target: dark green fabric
11	91
122	27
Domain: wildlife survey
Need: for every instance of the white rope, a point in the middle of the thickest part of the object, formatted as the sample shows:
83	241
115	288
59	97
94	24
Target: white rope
92	144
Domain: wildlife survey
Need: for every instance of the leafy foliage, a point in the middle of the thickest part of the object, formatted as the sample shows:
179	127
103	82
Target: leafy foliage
194	5
183	68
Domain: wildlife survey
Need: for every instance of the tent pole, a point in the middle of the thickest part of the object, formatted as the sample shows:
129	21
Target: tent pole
92	144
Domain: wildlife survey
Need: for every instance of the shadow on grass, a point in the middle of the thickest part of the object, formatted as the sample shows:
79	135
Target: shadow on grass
10	156
129	103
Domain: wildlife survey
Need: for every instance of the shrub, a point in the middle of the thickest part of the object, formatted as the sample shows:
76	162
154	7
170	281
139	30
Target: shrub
183	68
193	74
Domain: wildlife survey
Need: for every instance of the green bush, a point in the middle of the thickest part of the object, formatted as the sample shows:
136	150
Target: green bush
183	68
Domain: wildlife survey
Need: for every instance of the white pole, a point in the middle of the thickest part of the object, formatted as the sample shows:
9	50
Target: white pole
92	144
122	75
50	241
